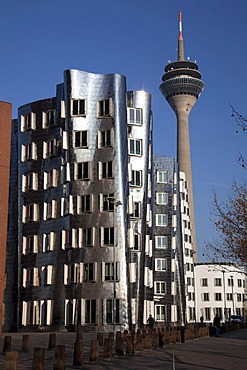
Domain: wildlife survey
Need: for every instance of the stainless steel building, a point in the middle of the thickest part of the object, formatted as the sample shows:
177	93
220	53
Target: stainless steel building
85	221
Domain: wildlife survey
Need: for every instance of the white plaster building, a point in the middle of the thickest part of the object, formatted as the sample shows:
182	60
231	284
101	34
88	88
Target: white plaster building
220	289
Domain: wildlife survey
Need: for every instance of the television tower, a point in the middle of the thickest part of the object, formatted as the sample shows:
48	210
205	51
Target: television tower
182	86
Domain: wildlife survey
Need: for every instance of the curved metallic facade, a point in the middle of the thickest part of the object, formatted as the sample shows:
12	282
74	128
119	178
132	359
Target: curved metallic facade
75	254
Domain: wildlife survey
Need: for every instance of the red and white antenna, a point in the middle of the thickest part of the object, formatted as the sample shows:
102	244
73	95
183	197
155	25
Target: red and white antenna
180	26
180	38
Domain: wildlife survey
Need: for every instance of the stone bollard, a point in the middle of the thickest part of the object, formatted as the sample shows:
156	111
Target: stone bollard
173	336
52	341
7	344
167	337
161	339
119	346
11	360
94	351
155	339
78	336
147	341
100	339
129	345
138	346
107	348
78	354
178	335
25	343
38	359
59	359
125	334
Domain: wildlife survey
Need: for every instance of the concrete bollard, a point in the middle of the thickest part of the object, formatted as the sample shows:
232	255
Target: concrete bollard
25	343
94	351
119	346
155	339
161	339
129	345
125	334
11	360
59	359
78	354
38	359
147	341
107	348
7	344
138	346
100	339
52	341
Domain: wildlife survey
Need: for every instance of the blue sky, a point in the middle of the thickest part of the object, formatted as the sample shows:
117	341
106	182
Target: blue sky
136	38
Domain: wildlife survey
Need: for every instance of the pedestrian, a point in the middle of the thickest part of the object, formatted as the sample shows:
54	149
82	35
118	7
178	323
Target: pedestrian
151	321
201	320
217	325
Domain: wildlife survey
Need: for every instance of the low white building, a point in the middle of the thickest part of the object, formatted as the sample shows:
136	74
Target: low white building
220	289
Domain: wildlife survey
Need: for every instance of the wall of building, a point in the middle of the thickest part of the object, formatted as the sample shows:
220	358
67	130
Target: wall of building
5	145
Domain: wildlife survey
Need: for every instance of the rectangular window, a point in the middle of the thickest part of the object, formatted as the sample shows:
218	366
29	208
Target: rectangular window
90	311
81	171
106	202
105	138
160	264
229	296
207	313
30	213
204	282
50	148
107	170
51	179
107	235
135	147
78	107
136	210
188	281
104	108
84	203
29	152
28	122
230	282
109	271
30	244
48	118
162	177
239	297
88	272
136	178
110	311
161	241
159	313
50	210
137	241
48	242
81	139
161	220
239	283
30	182
134	116
66	240
205	297
217	297
87	237
161	198
159	287
218	312
217	282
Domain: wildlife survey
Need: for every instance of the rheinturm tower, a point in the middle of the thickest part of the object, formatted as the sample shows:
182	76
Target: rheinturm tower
182	86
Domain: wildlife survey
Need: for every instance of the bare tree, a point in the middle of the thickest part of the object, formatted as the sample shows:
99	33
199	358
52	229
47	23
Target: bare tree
230	220
241	125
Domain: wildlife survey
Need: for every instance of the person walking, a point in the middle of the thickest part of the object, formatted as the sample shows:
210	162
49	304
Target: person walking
217	325
151	321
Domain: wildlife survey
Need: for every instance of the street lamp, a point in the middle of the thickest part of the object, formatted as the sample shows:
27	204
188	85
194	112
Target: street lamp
233	309
116	204
224	294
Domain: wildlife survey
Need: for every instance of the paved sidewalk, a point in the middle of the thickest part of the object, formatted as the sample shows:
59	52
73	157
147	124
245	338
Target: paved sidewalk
227	352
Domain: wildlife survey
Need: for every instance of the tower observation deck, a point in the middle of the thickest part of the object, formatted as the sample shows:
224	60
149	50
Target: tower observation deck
181	87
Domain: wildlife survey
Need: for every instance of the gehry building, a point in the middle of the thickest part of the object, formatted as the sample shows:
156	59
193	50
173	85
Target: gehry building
84	195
